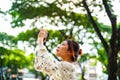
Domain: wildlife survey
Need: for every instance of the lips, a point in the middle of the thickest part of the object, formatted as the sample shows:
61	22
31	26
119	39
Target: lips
57	50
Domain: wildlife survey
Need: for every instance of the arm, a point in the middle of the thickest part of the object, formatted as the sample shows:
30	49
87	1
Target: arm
44	61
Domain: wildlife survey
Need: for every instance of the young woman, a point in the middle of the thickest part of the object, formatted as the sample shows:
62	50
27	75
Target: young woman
68	51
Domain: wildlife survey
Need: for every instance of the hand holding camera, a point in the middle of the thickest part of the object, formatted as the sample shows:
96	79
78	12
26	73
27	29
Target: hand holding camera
42	36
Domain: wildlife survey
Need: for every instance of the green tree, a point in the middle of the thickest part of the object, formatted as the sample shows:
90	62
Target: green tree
11	57
112	47
54	11
14	60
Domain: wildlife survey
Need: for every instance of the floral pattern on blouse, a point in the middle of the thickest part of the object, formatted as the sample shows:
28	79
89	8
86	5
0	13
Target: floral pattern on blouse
57	70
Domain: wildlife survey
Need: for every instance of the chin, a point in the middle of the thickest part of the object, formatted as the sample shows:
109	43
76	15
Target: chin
59	57
57	54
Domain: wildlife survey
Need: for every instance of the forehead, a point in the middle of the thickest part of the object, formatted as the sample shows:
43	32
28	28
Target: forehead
65	42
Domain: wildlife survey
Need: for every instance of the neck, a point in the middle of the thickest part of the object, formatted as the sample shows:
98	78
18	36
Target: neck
67	59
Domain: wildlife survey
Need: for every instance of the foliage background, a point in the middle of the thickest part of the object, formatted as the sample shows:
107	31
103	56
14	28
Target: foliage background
60	18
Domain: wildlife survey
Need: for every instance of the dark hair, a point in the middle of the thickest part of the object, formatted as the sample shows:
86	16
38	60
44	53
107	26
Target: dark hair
74	46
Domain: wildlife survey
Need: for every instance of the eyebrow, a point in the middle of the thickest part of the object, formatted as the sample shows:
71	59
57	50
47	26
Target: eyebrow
63	43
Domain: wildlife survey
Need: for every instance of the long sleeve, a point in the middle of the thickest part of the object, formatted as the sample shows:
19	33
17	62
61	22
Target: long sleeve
46	62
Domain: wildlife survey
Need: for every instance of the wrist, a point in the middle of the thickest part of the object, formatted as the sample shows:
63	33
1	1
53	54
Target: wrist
40	41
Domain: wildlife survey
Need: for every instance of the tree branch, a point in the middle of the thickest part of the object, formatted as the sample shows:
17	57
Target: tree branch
112	19
63	33
95	26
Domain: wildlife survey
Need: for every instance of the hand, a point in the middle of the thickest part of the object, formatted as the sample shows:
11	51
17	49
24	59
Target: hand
42	33
41	36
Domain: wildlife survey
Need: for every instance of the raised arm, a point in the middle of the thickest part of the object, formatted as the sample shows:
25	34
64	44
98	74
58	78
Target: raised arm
44	61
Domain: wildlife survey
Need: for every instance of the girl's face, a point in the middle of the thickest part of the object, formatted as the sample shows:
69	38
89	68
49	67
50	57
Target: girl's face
62	50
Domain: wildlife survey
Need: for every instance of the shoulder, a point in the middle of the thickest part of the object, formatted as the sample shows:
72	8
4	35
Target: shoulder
65	63
67	66
67	70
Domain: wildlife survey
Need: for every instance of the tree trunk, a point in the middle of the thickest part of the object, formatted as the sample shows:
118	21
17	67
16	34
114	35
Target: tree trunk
112	66
110	49
118	70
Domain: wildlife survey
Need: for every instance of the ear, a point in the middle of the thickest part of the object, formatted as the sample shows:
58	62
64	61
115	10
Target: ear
80	51
70	52
73	54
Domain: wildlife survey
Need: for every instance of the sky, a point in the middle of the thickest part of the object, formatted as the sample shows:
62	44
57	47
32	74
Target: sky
5	25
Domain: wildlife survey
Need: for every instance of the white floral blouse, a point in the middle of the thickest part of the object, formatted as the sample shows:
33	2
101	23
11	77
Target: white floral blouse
57	70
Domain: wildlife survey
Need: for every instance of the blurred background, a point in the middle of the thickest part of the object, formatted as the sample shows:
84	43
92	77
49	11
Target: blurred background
95	24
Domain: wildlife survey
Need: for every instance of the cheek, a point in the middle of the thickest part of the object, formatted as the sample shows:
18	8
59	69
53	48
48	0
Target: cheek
61	51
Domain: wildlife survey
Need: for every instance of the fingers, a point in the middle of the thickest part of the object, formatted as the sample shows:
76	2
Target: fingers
43	30
42	33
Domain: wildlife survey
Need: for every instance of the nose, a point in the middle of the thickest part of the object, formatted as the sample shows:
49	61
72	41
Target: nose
58	46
